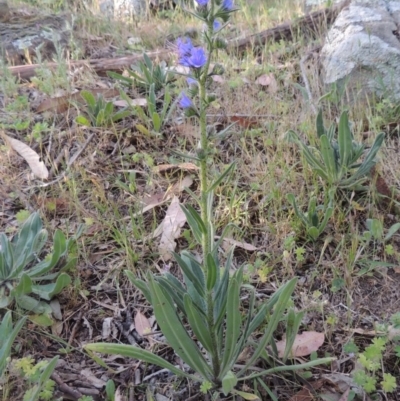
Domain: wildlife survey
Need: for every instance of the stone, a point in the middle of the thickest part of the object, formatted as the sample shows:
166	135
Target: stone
362	50
123	8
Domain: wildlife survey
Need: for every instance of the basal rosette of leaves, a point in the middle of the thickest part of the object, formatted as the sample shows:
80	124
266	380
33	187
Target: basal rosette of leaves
206	305
336	160
27	278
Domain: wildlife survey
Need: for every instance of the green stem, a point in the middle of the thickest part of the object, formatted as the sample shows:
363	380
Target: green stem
205	213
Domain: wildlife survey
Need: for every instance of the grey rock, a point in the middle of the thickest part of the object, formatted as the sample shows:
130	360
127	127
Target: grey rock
362	49
123	8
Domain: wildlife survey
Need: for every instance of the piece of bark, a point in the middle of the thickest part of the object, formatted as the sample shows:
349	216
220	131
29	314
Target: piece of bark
310	22
100	66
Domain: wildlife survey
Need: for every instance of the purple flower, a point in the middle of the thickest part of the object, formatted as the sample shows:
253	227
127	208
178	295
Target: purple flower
198	58
189	56
202	3
185	48
185	102
227	5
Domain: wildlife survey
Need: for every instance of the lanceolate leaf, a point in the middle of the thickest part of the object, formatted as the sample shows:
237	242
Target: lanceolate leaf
198	324
137	353
142	285
284	296
345	140
175	332
8	335
233	325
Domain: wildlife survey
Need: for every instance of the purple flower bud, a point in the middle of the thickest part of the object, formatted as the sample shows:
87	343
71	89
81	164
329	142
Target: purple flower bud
198	58
227	5
185	102
191	81
216	25
202	3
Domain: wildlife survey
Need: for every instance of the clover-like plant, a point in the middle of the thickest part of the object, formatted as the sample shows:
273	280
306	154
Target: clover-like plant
201	317
99	113
316	217
27	278
337	160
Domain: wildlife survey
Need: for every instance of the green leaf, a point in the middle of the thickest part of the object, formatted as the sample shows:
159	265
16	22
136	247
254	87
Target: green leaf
8	335
174	331
285	293
233	324
89	98
110	390
198	284
328	155
120	77
176	292
198	324
216	183
137	353
142	285
299	214
43	320
345	141
388	383
229	382
195	222
24	286
120	115
293	322
212	271
47	291
313	233
369	161
320	124
392	230
33	305
156	121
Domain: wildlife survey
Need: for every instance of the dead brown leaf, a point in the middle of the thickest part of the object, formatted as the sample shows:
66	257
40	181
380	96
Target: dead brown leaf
304	344
168	168
269	81
228	242
142	324
132	102
305	394
171	229
31	157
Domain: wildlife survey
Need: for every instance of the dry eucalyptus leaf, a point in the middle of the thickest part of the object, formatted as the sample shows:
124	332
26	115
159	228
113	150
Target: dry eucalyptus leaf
304	344
31	157
142	324
172	225
106	329
132	102
167	168
179	186
228	242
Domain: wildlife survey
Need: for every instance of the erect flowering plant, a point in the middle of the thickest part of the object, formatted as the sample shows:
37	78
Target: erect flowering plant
200	317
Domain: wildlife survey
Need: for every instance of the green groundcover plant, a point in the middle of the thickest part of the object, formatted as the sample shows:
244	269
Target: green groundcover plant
206	306
336	160
26	279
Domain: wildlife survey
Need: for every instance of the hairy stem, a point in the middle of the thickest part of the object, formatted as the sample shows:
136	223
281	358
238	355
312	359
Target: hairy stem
205	213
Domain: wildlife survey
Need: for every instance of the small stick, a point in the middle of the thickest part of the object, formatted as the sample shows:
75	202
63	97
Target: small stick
64	388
